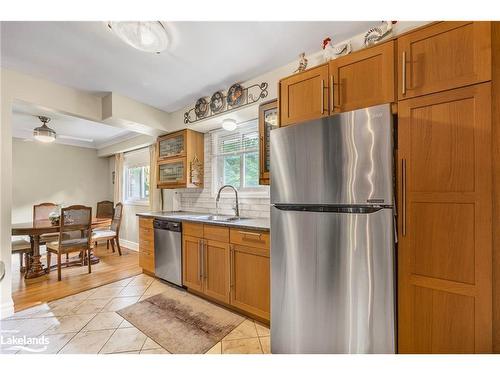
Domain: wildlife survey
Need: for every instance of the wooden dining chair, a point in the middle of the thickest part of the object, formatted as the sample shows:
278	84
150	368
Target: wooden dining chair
105	210
41	212
24	249
74	236
113	233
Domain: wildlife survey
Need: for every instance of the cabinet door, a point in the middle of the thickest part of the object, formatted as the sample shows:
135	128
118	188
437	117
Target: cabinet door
216	270
172	173
268	120
172	145
304	96
444	56
146	245
363	79
192	262
250	280
445	232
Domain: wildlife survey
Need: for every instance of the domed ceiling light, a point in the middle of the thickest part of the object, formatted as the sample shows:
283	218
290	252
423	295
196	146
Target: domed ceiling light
149	36
44	133
229	124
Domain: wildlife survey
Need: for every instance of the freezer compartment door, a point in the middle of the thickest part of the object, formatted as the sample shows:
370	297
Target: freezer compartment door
342	159
332	282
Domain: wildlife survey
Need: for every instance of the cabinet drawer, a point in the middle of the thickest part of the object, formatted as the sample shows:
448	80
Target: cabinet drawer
216	233
191	229
250	238
145	222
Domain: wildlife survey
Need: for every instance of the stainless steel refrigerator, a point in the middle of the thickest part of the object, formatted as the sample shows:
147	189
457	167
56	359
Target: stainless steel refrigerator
332	235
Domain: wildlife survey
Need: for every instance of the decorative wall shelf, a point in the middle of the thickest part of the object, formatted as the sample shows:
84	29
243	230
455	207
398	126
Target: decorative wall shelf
251	95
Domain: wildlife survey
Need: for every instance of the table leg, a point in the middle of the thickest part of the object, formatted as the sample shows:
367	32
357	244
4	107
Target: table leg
36	267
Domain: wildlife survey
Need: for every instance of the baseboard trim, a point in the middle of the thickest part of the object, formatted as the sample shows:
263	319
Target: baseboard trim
129	244
7	309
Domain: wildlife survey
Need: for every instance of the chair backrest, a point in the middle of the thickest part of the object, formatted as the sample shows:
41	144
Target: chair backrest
105	209
117	218
43	210
75	223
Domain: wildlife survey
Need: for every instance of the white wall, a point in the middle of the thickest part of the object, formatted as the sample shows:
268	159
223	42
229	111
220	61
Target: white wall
176	121
56	173
203	200
17	86
129	230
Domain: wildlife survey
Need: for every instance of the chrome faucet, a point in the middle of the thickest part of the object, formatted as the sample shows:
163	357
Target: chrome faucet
237	207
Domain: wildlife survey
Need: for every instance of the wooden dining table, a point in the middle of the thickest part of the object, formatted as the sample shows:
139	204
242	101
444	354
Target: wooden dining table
36	228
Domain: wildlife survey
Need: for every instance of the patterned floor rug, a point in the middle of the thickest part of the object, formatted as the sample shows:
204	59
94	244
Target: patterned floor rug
181	322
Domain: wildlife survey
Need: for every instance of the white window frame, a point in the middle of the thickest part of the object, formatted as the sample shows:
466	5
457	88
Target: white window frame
143	156
259	191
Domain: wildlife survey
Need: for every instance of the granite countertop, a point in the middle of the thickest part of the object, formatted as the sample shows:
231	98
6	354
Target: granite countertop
198	217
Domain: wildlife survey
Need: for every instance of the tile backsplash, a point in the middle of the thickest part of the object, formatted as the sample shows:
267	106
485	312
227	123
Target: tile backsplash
203	200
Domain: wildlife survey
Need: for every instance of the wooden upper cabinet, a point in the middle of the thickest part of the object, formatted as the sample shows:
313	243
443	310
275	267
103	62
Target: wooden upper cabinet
268	120
304	96
180	160
192	262
216	270
172	145
362	79
444	214
443	56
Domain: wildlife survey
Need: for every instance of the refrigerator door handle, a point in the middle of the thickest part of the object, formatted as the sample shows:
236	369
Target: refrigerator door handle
395	230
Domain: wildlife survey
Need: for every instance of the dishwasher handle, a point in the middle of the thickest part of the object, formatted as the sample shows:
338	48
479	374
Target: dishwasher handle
172	226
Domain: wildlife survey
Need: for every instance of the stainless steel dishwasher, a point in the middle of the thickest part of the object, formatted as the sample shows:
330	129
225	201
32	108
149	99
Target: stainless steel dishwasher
168	250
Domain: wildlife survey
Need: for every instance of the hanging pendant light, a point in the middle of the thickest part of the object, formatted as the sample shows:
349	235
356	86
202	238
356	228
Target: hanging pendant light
149	36
44	133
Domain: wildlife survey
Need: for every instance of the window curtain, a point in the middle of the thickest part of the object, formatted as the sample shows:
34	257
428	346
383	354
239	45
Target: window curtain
154	193
118	190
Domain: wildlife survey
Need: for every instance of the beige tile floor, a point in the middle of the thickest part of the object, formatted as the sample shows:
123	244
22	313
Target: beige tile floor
87	323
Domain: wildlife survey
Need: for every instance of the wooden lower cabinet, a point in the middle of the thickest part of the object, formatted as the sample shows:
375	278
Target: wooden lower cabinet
250	280
233	270
216	270
191	262
445	222
146	245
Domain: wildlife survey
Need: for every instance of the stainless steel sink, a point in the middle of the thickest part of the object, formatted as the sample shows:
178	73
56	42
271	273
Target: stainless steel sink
222	218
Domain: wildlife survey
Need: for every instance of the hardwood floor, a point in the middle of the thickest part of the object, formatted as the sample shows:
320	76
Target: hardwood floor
112	267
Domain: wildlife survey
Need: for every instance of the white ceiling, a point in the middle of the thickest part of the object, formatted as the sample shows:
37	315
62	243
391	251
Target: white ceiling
202	57
70	130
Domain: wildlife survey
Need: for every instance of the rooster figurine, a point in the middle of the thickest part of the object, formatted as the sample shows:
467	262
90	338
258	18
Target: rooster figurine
330	52
327	49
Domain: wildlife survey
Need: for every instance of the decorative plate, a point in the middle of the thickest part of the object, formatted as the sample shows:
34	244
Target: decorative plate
217	102
201	108
235	95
